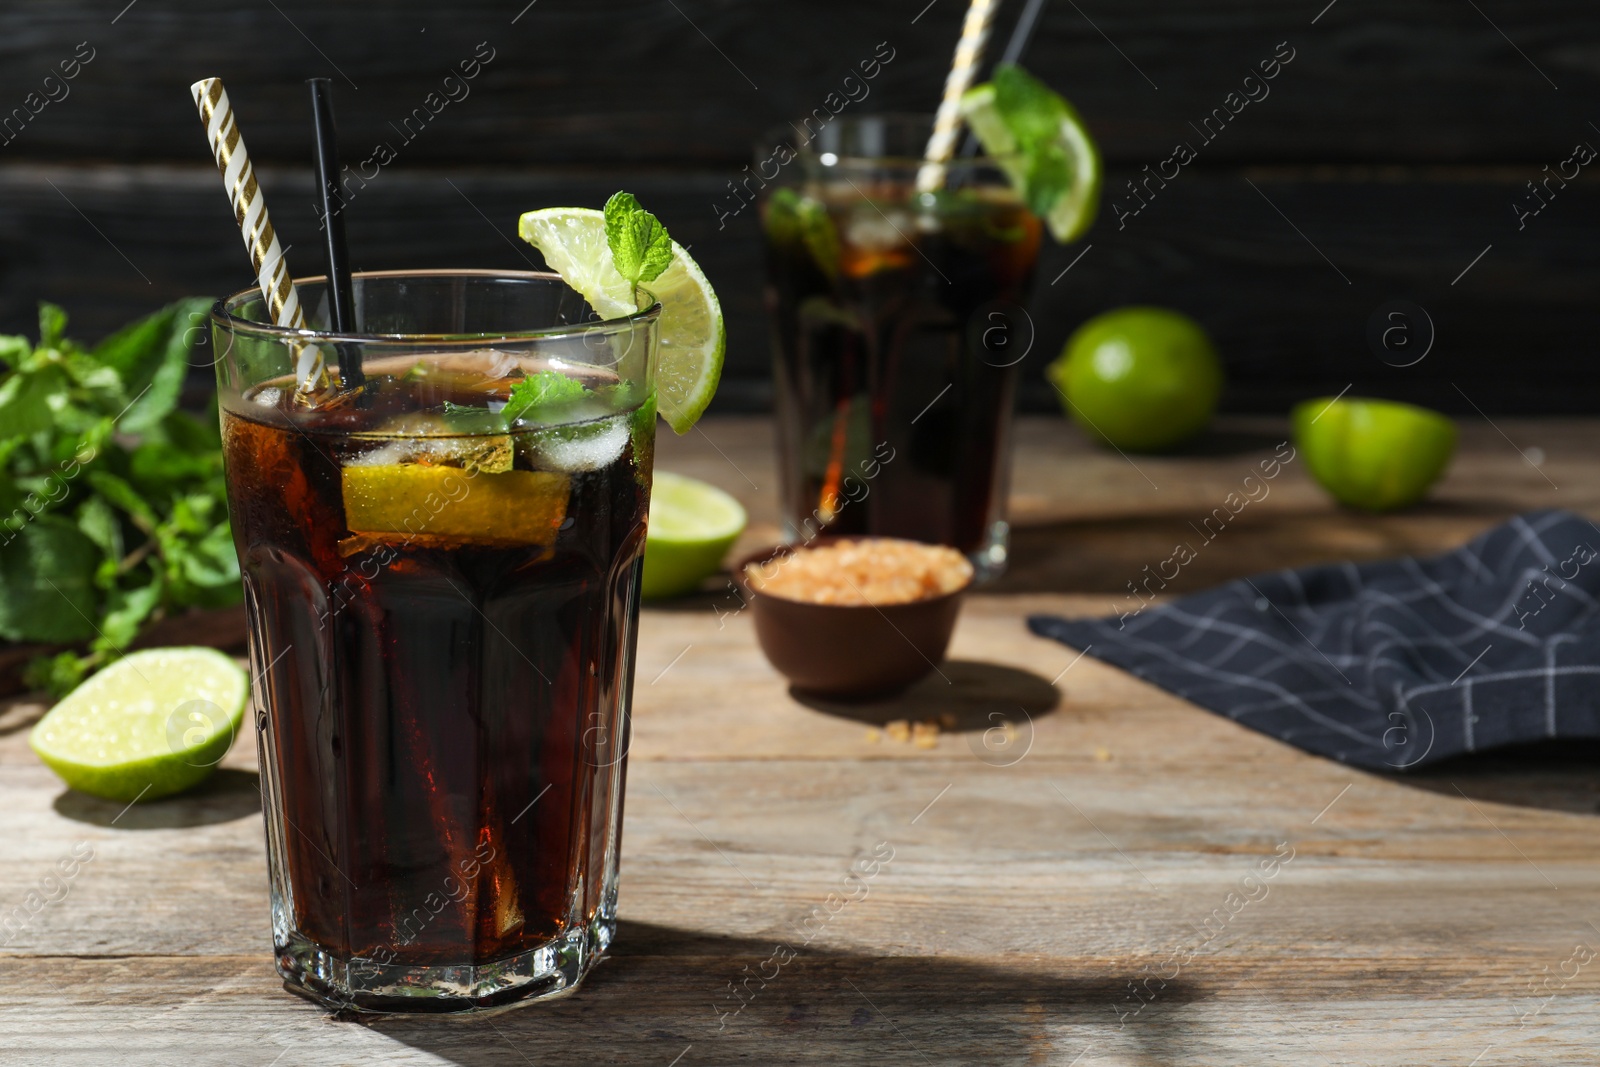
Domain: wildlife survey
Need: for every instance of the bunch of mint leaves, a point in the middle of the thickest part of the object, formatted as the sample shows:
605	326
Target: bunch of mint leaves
112	514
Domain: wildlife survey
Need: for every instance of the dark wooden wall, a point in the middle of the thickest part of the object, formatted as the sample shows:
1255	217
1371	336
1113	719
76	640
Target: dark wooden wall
1386	158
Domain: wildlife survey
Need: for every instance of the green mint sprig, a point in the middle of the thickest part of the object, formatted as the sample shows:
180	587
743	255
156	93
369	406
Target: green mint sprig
1042	145
640	247
542	393
546	396
1032	112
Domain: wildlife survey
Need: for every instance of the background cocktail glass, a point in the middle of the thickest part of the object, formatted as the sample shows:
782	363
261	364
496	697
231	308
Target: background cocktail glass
442	620
897	325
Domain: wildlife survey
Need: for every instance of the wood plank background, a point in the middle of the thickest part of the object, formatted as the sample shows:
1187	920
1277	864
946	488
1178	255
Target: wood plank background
1386	158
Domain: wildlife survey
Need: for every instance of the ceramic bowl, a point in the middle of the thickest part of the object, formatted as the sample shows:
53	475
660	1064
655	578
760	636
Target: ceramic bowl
849	651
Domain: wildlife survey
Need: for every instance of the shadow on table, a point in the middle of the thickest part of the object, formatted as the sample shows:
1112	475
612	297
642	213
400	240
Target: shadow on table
227	795
963	695
657	1000
1226	440
1554	775
19	713
1104	555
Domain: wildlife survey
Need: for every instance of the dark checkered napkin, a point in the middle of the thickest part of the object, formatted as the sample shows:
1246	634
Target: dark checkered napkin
1387	665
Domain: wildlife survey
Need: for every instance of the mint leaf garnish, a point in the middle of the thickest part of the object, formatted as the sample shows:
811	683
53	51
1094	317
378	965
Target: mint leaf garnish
791	217
52	324
472	419
1031	109
1032	113
640	247
542	393
820	235
1042	145
619	396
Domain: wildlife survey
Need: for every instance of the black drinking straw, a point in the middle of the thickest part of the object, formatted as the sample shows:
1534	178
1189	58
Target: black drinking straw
1021	35
341	298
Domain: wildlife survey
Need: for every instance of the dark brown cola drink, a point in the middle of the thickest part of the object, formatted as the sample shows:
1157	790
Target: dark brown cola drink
442	612
897	330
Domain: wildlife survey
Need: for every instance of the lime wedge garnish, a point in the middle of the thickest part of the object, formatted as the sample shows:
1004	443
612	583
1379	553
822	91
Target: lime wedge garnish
1376	455
152	724
692	526
692	335
1038	140
427	505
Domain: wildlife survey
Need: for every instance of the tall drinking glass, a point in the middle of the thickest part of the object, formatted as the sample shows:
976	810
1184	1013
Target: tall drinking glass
441	570
897	325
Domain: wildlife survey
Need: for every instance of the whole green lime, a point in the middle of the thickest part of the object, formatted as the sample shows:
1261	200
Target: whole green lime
1141	378
1376	455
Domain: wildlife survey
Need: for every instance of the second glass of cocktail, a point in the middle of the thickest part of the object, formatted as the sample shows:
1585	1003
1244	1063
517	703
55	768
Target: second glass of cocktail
897	327
441	571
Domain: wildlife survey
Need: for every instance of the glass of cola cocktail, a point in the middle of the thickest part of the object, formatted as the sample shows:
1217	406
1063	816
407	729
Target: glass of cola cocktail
897	325
441	568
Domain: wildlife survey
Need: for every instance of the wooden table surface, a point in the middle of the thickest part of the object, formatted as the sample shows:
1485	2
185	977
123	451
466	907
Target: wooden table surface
1447	917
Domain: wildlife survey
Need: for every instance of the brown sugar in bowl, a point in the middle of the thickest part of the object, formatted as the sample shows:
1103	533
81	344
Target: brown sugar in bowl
849	650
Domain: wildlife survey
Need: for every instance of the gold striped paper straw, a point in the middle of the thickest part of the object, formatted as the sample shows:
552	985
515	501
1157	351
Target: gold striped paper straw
250	212
947	123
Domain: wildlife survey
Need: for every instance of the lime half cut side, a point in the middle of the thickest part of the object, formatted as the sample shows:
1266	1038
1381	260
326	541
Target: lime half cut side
692	526
692	334
152	724
1069	207
1375	455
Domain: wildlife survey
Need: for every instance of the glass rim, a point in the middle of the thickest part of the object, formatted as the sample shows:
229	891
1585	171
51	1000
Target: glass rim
776	134
223	317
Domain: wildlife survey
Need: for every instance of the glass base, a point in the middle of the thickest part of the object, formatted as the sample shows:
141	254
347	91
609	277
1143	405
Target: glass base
554	969
989	561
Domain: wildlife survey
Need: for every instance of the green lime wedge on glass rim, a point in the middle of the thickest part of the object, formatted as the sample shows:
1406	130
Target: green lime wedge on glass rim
1376	455
1041	144
152	724
692	335
692	526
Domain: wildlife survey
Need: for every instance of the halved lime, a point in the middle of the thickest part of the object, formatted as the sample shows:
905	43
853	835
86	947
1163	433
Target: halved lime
692	335
692	526
152	724
1043	147
1377	455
